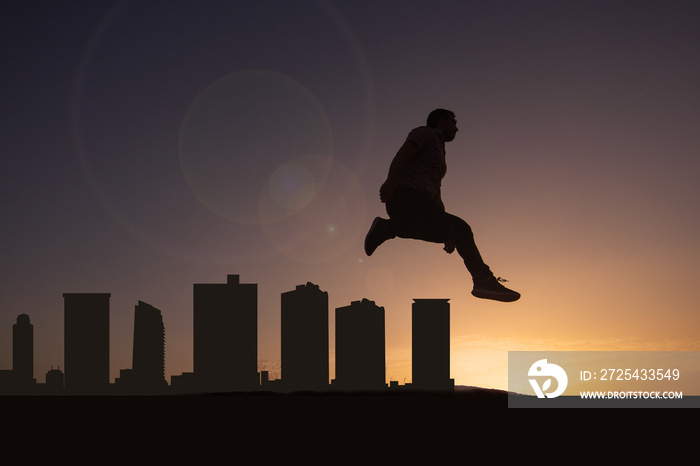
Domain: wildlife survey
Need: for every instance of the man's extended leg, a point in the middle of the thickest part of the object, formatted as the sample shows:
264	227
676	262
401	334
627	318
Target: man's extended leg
486	285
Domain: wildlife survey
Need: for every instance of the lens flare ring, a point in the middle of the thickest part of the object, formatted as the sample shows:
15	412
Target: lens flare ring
88	113
329	221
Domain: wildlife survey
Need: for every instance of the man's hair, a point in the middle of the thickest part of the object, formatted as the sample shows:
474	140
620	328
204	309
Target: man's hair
436	114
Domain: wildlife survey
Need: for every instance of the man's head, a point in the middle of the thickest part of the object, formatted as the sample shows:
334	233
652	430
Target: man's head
443	121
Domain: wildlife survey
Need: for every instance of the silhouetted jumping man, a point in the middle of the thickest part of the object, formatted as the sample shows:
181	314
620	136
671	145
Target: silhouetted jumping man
413	201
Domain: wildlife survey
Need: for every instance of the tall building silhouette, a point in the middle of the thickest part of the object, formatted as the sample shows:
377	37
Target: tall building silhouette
23	352
226	336
20	379
431	345
147	375
360	359
304	339
149	346
86	343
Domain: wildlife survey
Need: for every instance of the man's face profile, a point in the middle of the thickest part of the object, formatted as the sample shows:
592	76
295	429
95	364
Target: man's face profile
449	128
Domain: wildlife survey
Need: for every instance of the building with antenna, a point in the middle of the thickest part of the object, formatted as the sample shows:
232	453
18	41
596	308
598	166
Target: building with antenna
226	336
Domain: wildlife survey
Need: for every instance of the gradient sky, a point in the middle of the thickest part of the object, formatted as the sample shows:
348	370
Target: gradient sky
150	145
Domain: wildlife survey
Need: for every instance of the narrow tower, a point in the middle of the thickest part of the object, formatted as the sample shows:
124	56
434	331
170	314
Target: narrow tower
86	343
431	345
304	339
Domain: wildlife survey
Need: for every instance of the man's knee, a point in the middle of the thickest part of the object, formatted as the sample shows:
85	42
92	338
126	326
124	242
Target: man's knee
460	227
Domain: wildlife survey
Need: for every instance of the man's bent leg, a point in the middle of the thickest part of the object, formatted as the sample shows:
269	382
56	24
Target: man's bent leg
414	215
486	285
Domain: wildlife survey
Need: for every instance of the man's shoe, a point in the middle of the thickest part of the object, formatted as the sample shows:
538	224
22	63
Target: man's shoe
376	235
491	288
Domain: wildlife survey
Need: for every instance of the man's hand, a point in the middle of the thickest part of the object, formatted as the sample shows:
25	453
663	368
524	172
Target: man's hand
449	247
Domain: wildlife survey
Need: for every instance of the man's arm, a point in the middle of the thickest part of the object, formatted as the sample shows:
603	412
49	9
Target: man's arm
408	150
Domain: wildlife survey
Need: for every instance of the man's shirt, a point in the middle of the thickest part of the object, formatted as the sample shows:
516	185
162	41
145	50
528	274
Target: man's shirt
427	168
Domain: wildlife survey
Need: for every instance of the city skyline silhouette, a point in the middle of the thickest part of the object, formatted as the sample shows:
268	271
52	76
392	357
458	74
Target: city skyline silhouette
225	347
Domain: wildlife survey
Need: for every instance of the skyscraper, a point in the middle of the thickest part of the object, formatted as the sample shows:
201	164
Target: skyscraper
360	359
86	342
304	341
148	369
23	351
431	345
226	336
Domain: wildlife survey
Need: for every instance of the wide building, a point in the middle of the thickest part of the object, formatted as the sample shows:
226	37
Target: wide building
226	336
360	352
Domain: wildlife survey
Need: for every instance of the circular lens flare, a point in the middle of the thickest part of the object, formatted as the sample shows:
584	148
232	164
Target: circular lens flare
239	131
